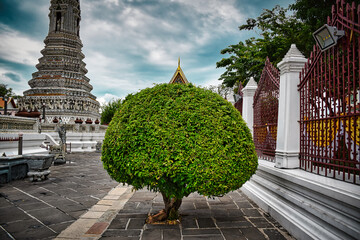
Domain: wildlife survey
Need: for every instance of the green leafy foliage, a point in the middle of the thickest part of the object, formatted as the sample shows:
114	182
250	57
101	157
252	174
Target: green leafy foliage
278	29
5	91
179	139
108	111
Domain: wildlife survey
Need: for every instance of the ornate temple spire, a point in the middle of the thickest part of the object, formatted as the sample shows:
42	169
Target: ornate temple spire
60	82
65	16
179	76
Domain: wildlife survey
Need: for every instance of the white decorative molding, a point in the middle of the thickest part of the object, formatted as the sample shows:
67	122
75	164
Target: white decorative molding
309	206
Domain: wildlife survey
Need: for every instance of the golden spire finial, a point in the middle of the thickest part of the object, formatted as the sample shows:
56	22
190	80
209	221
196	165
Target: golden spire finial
179	63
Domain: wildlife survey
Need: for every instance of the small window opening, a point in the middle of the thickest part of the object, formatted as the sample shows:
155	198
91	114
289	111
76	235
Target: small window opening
58	21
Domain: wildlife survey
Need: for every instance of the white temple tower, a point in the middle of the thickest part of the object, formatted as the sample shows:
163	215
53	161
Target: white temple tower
60	82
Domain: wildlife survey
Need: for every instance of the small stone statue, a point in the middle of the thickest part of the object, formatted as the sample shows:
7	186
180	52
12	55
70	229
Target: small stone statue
62	134
60	150
98	146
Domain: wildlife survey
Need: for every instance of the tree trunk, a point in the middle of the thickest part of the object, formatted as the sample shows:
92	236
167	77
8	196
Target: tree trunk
172	206
171	211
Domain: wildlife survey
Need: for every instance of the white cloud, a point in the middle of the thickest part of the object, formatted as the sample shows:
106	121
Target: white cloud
115	2
17	86
17	47
107	98
181	29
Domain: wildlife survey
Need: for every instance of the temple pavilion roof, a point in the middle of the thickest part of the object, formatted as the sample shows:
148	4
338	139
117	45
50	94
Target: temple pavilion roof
179	76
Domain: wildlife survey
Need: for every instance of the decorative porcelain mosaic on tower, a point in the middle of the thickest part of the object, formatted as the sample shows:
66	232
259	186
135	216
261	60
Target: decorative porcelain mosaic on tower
60	82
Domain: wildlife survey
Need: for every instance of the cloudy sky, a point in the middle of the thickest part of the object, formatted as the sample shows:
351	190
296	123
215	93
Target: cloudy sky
130	44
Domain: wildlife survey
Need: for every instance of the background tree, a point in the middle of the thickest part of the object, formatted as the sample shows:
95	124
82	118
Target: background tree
222	90
177	139
108	110
278	29
5	91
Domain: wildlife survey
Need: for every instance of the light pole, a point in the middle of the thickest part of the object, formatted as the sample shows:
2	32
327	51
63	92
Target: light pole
43	107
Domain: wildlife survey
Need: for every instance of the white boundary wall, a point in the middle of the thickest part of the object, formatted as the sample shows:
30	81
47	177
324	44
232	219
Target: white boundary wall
307	205
36	142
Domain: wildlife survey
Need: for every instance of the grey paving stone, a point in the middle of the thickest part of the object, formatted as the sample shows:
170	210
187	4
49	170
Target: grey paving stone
4	235
274	234
226	199
148	205
12	214
261	222
219	213
251	212
33	206
233	234
51	216
252	234
187	205
19	198
244	204
119	223
171	234
3	202
77	214
230	219
201	205
188	222
28	229
139	211
132	215
119	238
122	233
136	223
131	205
59	227
162	226
208	237
236	213
234	224
201	232
206	223
224	206
151	234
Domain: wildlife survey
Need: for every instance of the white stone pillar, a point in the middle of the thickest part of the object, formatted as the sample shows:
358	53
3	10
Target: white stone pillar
288	129
248	101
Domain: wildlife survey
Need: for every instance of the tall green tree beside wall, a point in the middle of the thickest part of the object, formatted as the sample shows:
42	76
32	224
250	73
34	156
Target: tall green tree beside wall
278	29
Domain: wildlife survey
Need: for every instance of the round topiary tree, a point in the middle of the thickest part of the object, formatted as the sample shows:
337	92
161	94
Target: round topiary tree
177	139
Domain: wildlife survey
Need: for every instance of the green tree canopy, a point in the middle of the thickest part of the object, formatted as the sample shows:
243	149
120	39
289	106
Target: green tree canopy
5	91
177	139
108	110
278	29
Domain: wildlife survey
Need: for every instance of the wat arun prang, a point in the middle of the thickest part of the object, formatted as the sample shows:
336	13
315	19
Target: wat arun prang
60	82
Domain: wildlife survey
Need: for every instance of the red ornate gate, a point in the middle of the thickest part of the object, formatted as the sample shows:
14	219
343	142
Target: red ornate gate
266	104
329	102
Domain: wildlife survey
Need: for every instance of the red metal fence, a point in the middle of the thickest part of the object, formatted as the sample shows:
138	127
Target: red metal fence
329	102
266	104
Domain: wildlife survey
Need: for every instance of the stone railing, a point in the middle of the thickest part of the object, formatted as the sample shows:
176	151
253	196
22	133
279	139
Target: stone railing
12	123
21	124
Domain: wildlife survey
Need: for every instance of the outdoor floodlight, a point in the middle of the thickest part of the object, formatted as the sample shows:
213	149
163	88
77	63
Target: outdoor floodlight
327	36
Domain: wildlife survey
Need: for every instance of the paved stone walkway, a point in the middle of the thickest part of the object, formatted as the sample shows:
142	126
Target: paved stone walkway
41	210
80	201
231	217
